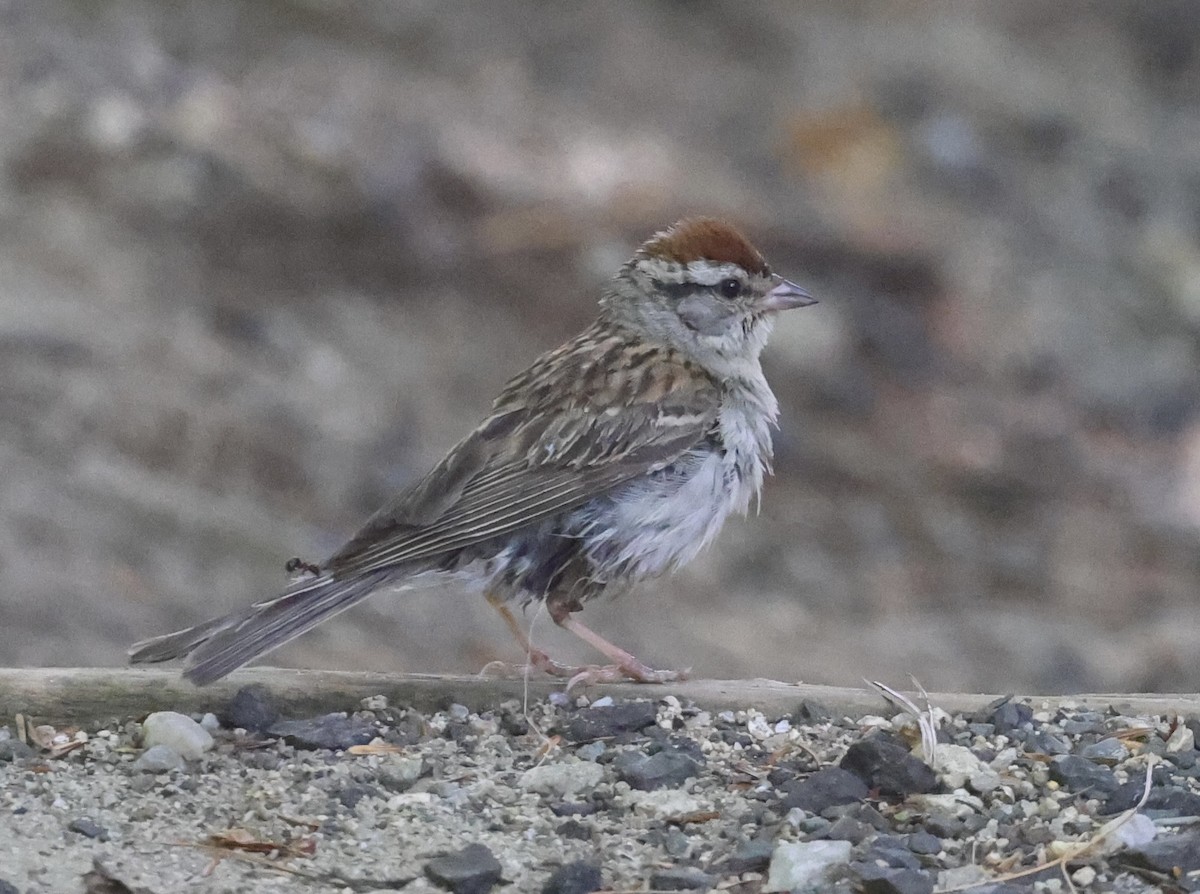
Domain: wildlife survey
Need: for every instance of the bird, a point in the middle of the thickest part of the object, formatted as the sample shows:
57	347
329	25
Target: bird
612	459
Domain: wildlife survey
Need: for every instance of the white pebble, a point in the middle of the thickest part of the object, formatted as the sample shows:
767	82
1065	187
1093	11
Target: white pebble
178	732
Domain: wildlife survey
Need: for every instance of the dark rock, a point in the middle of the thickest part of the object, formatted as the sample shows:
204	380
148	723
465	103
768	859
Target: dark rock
473	870
1043	742
753	855
812	712
573	828
573	808
1010	716
251	709
875	879
350	795
1079	774
14	750
335	732
846	828
943	825
1184	760
667	768
681	879
8	887
87	827
573	878
924	843
886	765
609	720
891	851
1169	800
1171	855
865	813
825	788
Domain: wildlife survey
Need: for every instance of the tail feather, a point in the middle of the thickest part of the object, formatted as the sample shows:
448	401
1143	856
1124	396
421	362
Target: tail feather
217	647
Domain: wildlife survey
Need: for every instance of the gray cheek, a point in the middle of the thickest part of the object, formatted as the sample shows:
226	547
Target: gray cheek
704	315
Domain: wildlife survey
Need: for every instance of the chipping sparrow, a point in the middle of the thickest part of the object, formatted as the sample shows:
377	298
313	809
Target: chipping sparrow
613	458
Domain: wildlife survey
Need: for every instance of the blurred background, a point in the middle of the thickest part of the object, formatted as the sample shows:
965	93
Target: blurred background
263	263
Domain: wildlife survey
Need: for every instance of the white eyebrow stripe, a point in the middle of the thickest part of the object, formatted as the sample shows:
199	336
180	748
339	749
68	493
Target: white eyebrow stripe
704	273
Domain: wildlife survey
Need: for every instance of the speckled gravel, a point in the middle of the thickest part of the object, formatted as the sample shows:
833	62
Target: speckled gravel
569	796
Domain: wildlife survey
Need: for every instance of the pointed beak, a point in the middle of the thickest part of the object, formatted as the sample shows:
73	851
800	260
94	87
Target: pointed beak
784	296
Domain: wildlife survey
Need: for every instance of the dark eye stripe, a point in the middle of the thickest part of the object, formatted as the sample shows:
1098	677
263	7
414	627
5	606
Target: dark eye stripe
680	290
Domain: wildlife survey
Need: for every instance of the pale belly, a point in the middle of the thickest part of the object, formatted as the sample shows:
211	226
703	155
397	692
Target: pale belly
657	524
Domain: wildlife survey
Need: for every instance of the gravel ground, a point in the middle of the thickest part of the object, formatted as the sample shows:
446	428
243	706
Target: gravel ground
571	795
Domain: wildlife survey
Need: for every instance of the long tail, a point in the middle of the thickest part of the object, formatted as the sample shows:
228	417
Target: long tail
217	647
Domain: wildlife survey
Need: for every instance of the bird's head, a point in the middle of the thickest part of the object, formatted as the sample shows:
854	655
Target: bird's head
702	288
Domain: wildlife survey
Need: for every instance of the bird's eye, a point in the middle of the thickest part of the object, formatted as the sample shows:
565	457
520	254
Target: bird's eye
730	288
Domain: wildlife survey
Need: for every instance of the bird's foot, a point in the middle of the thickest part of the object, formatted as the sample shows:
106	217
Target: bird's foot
633	671
539	661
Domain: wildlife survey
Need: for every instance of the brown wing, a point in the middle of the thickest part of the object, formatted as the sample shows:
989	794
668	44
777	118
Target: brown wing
580	421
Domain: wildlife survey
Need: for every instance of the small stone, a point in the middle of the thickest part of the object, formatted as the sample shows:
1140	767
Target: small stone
804	864
1168	801
1010	716
825	788
180	733
666	803
591	751
889	880
813	712
400	774
573	828
1084	876
335	732
8	887
209	723
473	870
158	759
681	879
753	855
966	876
1182	739
1105	750
1138	831
891	851
14	750
574	878
374	703
87	827
1079	774
667	768
1043	742
604	721
923	843
349	796
251	709
884	764
846	828
957	765
565	780
1172	855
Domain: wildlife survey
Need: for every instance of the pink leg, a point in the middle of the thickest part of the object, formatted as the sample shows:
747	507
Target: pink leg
537	658
625	665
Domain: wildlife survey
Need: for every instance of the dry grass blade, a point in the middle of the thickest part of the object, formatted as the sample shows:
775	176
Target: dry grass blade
926	720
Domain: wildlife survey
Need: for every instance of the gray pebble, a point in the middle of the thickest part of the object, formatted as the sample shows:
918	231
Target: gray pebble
159	759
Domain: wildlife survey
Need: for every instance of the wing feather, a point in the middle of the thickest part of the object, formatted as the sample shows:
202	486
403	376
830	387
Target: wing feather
593	425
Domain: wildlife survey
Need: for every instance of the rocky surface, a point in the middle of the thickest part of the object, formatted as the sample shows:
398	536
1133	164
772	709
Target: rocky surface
261	263
557	796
